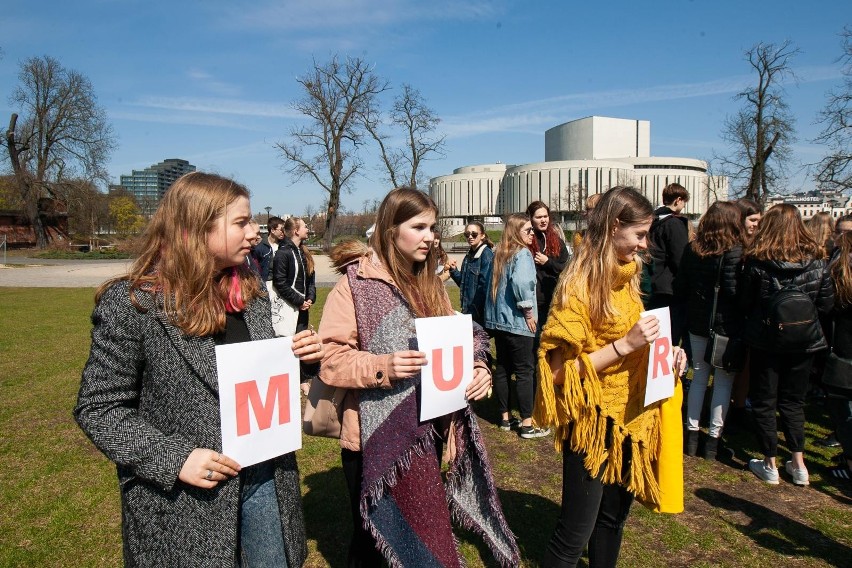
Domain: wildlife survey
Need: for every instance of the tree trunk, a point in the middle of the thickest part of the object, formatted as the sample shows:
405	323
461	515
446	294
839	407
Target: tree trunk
331	220
27	186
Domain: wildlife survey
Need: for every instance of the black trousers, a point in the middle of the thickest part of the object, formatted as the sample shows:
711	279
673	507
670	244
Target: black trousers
592	512
362	549
515	355
779	381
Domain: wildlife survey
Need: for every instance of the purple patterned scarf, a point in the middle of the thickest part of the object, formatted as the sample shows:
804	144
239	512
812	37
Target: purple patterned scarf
404	502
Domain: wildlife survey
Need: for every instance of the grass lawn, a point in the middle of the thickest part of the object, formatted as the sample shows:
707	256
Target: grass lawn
59	498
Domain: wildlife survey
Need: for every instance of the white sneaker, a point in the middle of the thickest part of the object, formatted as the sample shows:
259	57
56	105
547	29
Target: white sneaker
766	474
800	476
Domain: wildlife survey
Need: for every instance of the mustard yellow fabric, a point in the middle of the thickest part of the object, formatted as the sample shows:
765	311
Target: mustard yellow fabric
669	465
588	400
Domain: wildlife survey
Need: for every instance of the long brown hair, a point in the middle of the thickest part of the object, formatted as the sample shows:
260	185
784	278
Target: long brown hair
719	230
552	239
290	226
176	262
420	286
841	270
593	272
510	243
782	236
821	227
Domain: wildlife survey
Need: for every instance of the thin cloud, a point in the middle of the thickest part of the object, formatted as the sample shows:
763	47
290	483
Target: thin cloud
549	111
209	83
219	106
191	119
325	14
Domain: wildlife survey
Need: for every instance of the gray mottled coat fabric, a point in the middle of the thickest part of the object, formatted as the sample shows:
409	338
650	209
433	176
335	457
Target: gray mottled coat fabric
148	397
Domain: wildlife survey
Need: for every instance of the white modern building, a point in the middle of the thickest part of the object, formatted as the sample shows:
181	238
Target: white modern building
809	204
581	157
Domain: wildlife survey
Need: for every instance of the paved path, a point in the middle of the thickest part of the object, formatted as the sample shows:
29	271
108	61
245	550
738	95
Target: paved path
36	272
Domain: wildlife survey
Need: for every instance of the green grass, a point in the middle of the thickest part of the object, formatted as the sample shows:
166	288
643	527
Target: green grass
59	503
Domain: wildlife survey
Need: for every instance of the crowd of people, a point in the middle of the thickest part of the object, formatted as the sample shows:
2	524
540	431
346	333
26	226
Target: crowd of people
569	327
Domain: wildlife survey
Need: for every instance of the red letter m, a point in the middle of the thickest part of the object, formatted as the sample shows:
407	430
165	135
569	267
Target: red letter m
247	394
438	369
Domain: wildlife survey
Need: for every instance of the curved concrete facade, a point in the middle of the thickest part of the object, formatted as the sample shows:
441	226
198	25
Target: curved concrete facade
499	189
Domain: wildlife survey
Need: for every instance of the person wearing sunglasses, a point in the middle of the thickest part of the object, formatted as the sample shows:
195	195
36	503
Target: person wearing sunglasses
474	278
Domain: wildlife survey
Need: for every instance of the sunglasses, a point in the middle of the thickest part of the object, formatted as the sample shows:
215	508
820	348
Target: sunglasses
471	234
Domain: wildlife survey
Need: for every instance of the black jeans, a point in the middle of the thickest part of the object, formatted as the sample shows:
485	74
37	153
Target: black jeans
779	381
515	355
362	549
592	513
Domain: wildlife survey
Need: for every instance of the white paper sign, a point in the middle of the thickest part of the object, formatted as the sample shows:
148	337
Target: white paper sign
661	380
447	342
259	399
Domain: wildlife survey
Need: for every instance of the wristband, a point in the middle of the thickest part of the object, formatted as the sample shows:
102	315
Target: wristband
614	348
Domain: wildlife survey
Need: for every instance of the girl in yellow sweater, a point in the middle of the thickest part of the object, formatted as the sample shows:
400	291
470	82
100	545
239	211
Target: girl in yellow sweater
592	366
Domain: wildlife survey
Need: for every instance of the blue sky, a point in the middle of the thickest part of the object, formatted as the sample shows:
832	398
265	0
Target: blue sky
212	81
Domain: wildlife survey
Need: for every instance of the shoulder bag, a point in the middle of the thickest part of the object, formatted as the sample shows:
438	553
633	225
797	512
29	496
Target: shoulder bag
323	410
723	352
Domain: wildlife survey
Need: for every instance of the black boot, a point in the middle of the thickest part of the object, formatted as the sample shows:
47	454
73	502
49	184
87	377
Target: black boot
711	445
691	442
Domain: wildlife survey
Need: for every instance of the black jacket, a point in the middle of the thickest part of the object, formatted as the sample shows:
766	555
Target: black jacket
811	276
289	275
547	274
694	284
669	237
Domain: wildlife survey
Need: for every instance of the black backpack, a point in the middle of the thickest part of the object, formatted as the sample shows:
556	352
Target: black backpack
790	320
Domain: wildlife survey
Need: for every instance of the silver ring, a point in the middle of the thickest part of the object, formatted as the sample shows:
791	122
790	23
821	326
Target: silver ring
209	475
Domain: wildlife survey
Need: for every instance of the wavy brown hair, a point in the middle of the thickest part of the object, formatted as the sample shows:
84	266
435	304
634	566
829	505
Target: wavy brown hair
841	270
510	243
290	226
592	274
719	230
176	261
782	236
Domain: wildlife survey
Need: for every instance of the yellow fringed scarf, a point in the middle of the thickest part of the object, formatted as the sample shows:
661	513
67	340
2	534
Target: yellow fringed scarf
585	403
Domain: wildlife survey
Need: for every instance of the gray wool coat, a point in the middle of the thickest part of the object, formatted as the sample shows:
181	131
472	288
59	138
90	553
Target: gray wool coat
148	397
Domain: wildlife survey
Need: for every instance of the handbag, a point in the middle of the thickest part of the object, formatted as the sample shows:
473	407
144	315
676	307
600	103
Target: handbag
323	410
723	352
837	373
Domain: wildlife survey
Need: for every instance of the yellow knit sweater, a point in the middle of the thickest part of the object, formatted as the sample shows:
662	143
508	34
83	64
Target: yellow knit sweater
588	400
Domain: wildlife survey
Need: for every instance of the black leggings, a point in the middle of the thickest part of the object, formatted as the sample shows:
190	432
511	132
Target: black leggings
362	549
592	512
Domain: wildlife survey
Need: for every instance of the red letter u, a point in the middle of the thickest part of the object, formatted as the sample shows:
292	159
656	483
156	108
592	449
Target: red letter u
438	369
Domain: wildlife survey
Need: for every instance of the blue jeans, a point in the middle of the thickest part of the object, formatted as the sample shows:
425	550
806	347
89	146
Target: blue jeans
261	539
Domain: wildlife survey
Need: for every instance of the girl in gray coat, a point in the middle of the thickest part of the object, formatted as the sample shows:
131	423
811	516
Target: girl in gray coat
149	396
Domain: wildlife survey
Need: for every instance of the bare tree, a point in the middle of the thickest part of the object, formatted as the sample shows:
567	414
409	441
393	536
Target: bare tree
420	141
337	95
763	128
64	134
834	171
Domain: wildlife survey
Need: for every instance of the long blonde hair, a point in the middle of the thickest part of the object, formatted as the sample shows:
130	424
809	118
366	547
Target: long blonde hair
176	261
510	243
593	272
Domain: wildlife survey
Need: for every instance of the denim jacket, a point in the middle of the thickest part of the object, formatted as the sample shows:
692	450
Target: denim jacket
515	292
474	281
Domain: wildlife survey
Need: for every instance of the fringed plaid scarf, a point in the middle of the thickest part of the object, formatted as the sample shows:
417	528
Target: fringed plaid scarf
404	502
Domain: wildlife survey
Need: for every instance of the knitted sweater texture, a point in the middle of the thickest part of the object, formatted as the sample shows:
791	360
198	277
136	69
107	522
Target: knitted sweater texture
601	413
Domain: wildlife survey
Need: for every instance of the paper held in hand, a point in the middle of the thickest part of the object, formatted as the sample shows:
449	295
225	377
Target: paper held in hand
447	342
660	382
259	399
